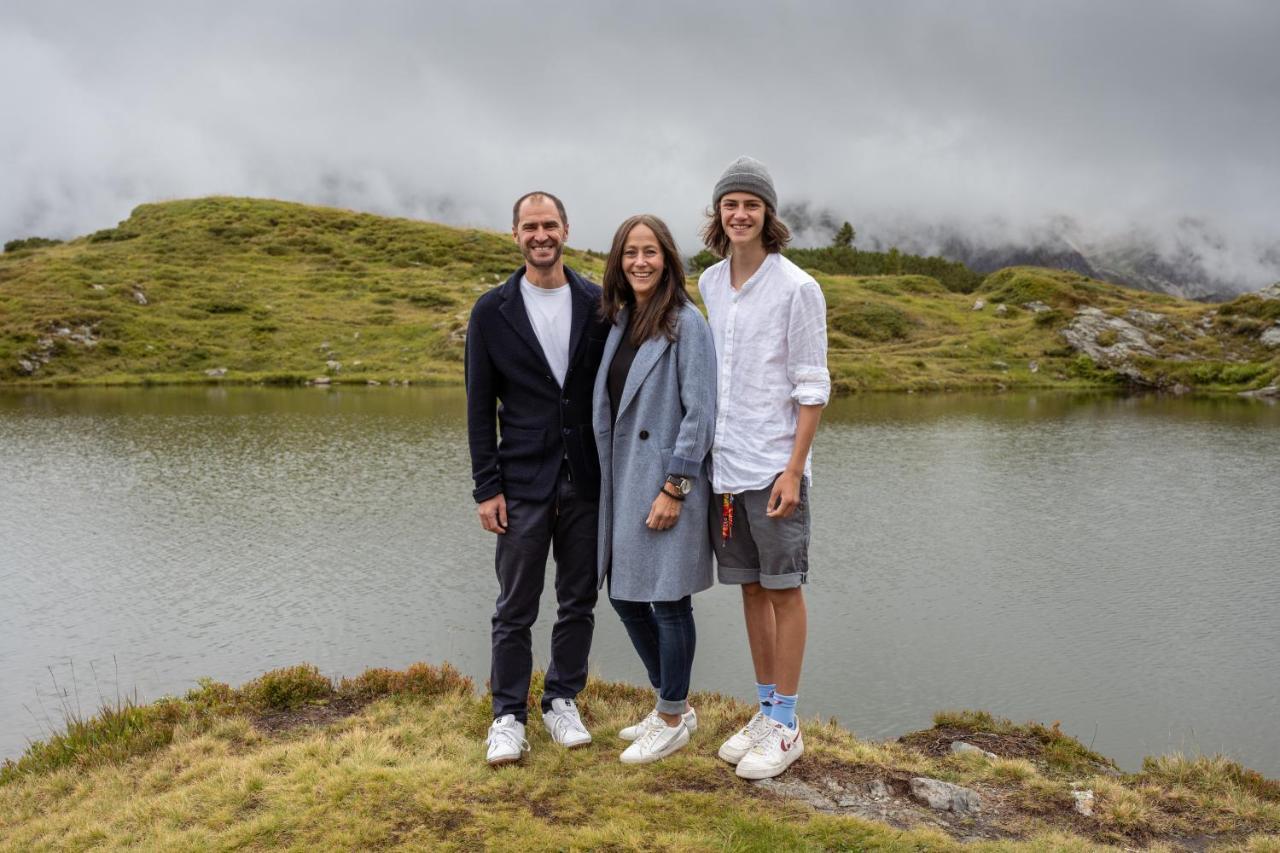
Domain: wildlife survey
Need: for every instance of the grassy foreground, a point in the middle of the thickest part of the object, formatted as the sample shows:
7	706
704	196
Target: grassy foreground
395	760
250	290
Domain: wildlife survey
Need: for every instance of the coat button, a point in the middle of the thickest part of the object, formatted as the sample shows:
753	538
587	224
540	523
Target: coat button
568	431
644	433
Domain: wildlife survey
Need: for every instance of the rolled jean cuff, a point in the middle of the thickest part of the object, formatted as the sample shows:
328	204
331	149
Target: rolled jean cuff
671	706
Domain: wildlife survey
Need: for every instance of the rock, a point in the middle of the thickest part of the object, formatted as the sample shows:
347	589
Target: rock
215	372
944	796
373	382
1179	389
1035	306
62	332
1000	365
98	287
1146	319
1084	802
335	366
979	305
1002	309
1033	366
459	335
1271	391
140	297
27	368
320	380
1269	293
878	790
959	747
1206	322
1091	323
797	790
324	345
1271	337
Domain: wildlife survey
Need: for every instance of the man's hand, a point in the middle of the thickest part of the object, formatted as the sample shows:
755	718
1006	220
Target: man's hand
493	514
785	496
664	513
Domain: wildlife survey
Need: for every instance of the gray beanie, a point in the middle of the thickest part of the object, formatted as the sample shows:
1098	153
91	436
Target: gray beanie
748	175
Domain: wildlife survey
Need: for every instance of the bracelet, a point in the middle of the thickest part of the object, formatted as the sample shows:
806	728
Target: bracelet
674	496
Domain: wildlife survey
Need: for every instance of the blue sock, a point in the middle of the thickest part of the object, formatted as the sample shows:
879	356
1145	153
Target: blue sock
784	709
765	694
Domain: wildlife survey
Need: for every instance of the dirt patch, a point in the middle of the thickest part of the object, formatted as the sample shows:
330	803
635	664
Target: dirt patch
937	742
278	722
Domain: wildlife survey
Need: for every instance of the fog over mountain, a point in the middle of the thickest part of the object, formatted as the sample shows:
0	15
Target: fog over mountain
1132	139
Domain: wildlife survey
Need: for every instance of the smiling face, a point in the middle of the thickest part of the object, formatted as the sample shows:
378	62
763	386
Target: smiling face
742	217
540	232
642	262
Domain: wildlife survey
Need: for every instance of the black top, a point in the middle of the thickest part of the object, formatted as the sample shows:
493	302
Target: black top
510	391
619	368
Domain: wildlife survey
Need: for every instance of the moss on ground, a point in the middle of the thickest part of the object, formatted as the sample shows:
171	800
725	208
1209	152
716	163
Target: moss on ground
394	759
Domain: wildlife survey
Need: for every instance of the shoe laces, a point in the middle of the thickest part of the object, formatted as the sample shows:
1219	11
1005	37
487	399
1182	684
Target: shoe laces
768	739
567	721
650	737
758	727
506	736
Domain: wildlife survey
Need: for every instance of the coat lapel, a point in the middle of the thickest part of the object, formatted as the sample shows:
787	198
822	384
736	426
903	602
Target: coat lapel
513	310
646	357
581	313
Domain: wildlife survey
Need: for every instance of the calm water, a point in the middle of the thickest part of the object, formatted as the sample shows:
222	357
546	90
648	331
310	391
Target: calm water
1110	563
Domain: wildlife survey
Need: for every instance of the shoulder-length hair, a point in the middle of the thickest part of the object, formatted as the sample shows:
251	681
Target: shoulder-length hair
775	234
660	314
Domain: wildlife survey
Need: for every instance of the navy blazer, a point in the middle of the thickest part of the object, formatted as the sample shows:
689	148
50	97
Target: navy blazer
511	391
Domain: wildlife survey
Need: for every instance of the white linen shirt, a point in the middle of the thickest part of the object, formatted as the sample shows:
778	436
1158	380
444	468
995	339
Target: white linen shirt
771	345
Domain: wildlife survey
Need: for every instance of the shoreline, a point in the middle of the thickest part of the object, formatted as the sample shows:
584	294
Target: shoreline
395	758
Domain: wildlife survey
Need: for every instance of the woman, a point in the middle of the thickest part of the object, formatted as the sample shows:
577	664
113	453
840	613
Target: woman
654	419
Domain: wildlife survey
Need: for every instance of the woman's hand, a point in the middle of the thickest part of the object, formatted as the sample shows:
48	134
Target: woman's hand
664	513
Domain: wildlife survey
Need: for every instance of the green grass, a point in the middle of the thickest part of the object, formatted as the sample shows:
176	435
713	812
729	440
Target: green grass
272	292
394	759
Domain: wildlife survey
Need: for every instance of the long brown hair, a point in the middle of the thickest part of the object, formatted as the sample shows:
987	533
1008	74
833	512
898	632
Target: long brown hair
661	313
775	234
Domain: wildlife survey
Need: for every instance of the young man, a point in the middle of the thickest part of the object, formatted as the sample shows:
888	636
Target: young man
533	347
768	318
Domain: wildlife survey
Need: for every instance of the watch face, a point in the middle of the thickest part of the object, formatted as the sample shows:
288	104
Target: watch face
686	485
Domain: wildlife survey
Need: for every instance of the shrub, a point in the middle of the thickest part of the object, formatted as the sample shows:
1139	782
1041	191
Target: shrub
872	321
420	679
30	243
283	689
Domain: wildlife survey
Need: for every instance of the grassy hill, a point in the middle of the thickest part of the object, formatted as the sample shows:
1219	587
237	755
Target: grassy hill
249	290
394	760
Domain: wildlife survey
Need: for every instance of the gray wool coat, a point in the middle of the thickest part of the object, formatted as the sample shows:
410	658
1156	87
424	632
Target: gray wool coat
666	423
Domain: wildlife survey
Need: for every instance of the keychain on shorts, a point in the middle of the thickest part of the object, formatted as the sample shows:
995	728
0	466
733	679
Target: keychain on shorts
726	517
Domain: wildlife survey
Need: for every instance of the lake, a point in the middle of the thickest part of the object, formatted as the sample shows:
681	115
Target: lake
1109	562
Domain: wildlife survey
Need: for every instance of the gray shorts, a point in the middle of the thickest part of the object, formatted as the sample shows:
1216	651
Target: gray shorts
773	552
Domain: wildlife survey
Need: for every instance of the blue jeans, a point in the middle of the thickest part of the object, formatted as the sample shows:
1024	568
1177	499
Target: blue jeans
664	637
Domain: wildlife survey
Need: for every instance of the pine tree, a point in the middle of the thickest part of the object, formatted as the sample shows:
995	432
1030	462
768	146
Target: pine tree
844	237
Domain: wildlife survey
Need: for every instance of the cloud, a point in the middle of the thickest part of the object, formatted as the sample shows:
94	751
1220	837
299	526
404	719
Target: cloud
988	116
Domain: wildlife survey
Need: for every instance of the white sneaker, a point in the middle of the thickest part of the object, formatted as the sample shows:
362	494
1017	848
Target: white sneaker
657	742
564	724
689	718
773	753
741	742
506	741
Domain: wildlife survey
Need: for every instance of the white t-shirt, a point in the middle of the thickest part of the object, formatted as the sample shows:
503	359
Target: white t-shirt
551	314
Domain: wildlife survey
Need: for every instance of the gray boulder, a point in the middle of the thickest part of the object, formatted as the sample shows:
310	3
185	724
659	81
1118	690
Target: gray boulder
945	797
216	372
1035	306
978	305
1269	293
959	747
1271	337
1105	339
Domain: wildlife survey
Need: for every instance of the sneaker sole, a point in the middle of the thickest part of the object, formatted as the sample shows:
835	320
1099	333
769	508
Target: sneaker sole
731	756
679	744
499	762
756	775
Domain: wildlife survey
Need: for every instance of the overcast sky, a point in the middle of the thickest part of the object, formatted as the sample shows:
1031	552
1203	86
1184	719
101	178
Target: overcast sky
991	116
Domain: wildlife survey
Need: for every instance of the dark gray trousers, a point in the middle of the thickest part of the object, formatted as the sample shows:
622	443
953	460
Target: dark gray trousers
565	525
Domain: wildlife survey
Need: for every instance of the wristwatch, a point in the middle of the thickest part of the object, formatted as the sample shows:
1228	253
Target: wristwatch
684	485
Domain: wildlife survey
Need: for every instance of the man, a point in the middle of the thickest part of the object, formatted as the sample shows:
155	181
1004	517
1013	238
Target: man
533	347
768	318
